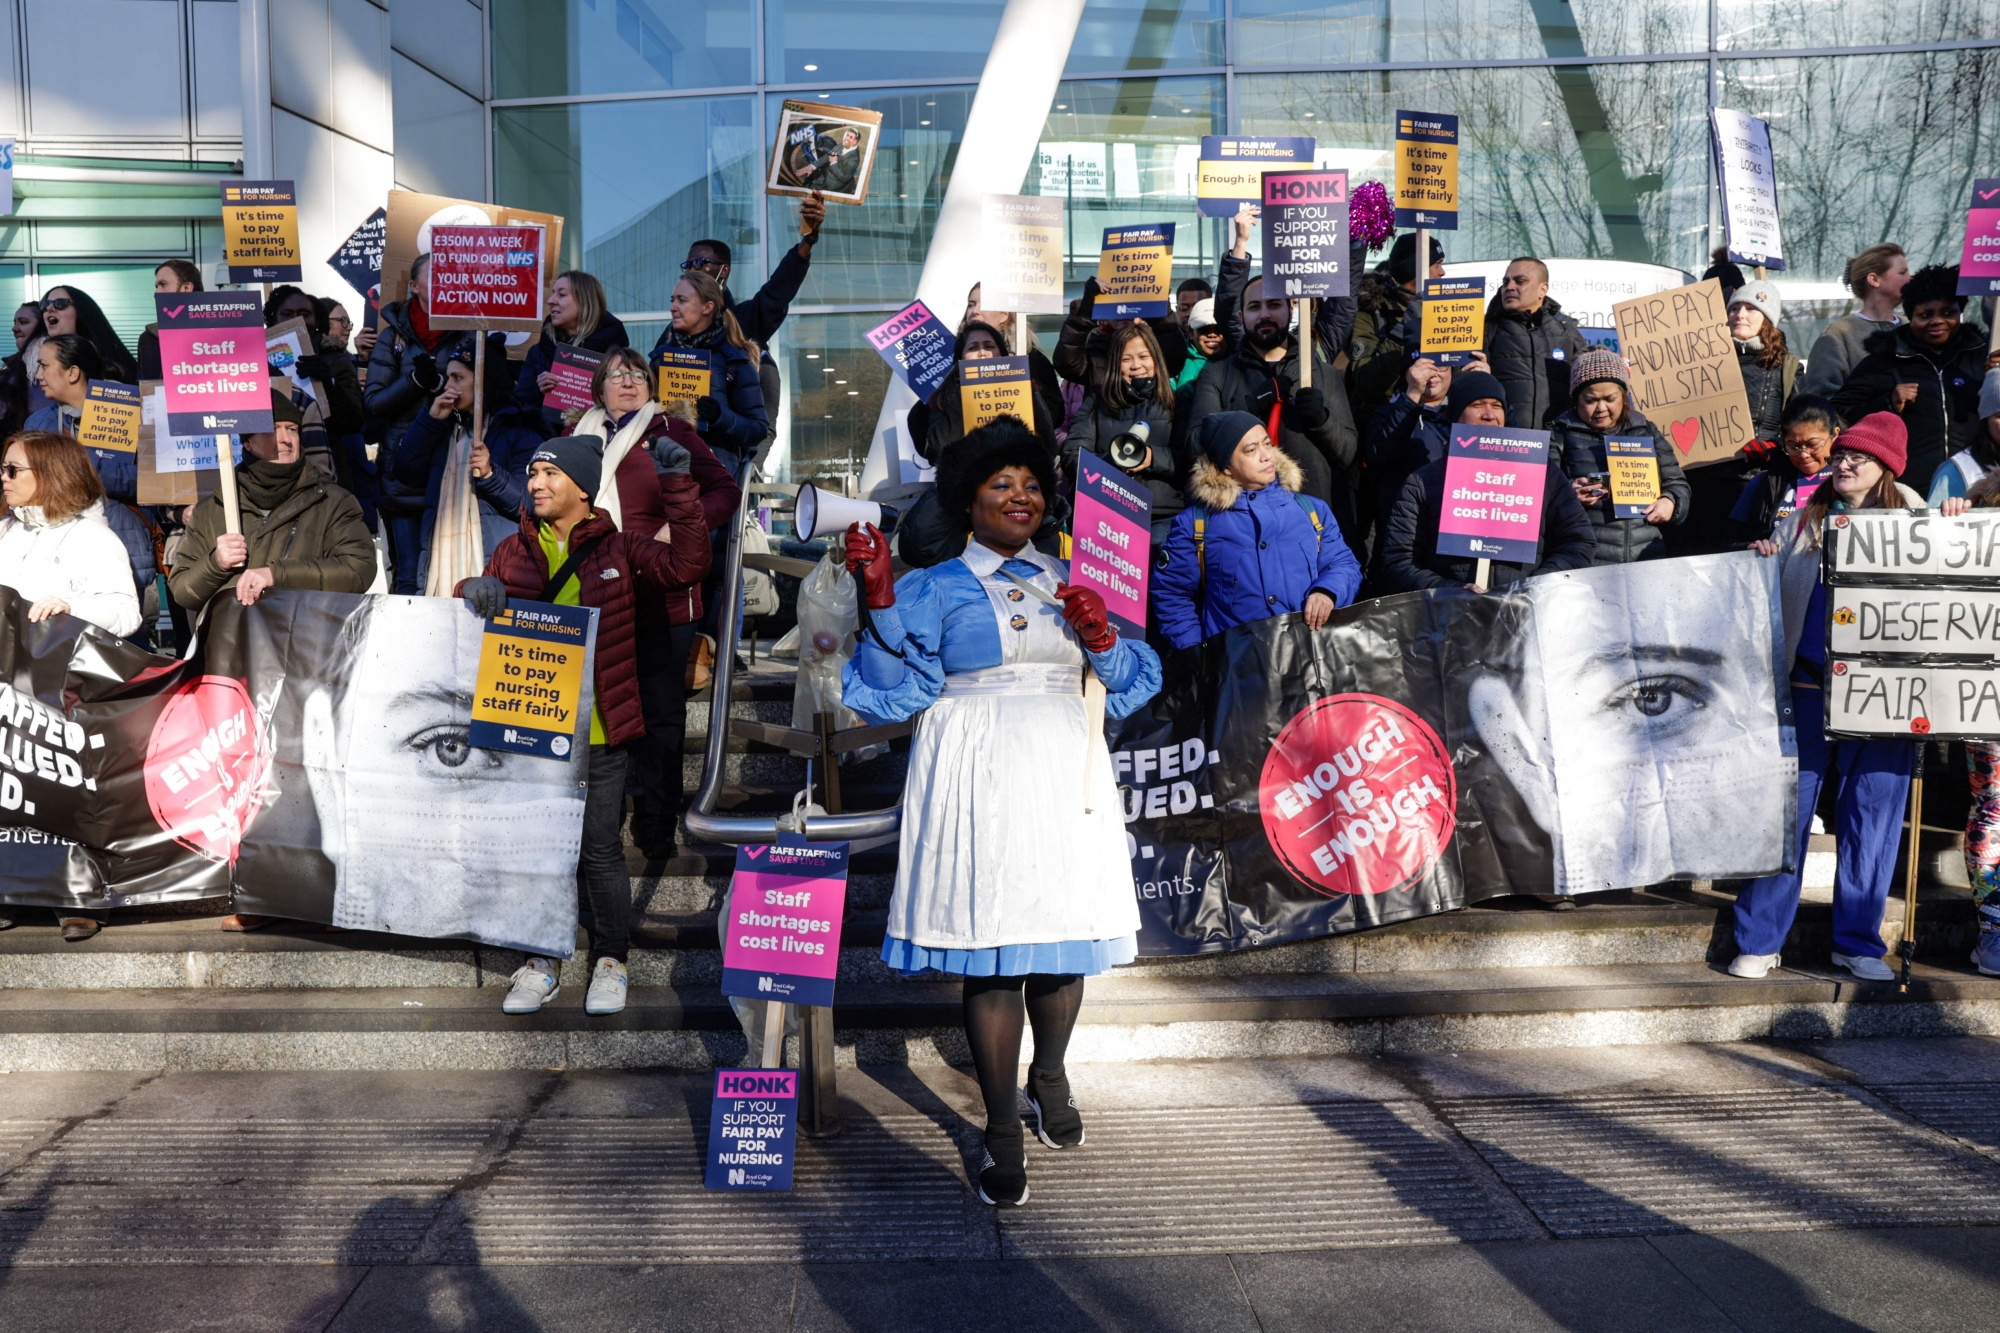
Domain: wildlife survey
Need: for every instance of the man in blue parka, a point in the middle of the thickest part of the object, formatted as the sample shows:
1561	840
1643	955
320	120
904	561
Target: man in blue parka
1248	546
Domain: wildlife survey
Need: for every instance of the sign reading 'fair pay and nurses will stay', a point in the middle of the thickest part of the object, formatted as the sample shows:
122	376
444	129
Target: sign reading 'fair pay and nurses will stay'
785	906
528	697
486	278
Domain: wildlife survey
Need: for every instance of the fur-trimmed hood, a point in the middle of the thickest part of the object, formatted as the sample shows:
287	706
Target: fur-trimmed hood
1209	485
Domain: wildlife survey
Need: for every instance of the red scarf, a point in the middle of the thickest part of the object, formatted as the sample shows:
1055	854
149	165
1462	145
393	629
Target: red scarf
420	324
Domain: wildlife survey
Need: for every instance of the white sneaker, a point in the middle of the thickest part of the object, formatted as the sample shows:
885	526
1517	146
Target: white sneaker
535	984
1753	965
607	988
1868	969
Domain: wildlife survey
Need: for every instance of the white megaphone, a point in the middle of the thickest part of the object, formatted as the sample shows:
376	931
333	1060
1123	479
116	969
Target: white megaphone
822	513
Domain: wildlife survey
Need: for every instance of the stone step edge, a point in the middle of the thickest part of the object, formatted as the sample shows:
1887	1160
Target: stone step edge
930	1005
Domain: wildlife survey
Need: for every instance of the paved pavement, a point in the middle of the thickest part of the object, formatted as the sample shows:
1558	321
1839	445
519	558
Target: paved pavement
1832	1185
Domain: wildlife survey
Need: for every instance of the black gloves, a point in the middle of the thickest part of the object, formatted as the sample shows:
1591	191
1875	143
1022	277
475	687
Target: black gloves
1307	410
314	367
672	457
424	372
485	597
708	410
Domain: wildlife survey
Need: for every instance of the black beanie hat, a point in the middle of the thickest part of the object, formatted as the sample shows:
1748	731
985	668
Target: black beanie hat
581	458
1220	432
282	406
1467	388
1402	265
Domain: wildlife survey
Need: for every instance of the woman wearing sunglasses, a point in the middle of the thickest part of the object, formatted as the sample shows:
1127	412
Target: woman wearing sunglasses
70	310
645	441
1872	776
65	366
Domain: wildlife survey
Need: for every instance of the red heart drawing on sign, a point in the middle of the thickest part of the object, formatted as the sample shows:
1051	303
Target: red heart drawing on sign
1687	434
756	853
172	311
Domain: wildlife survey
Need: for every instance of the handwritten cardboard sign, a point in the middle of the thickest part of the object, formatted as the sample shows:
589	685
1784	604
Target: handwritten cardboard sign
1427	170
1021	248
1229	172
1979	262
1749	178
999	386
1494	477
1685	379
110	418
1453	319
1112	540
260	231
1305	232
1135	269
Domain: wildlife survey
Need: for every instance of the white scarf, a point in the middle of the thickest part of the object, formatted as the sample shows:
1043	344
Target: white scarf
458	545
596	422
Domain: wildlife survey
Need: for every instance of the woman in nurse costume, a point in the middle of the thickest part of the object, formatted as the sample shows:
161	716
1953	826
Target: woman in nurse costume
1014	872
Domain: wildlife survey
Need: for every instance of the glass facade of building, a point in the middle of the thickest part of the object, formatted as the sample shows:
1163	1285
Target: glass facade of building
1584	134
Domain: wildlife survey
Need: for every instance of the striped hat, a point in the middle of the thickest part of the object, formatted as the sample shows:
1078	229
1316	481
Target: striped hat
1597	365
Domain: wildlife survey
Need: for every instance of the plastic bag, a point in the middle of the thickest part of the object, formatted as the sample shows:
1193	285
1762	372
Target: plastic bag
829	618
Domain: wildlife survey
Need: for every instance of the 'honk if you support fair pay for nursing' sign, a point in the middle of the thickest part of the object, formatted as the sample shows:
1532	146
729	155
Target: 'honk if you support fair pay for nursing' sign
529	697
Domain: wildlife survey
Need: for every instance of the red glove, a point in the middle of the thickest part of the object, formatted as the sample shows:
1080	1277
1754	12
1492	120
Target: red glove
868	561
1084	610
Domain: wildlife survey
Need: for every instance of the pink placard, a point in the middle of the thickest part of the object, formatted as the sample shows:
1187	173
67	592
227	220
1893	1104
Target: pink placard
781	923
1979	264
1112	540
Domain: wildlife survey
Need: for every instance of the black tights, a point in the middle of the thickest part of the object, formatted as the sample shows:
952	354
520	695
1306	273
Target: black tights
993	1008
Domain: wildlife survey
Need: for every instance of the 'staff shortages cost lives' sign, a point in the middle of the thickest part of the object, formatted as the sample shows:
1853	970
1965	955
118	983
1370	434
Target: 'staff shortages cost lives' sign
212	361
528	697
1427	170
1112	541
753	1129
785	906
1493	494
1979	264
486	278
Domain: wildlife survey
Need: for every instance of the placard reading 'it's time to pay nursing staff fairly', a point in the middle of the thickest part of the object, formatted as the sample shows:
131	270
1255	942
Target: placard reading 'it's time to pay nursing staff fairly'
486	278
753	1128
1112	544
110	418
1913	624
1634	472
1135	272
1021	244
528	697
1305	232
685	373
212	362
999	386
785	907
1453	319
260	231
1493	485
1427	170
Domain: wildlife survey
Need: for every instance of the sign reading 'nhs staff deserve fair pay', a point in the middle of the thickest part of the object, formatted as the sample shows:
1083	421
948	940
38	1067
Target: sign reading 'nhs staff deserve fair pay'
1493	494
529	696
785	905
753	1129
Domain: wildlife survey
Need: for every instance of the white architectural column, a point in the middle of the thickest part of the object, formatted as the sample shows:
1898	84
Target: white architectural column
1016	89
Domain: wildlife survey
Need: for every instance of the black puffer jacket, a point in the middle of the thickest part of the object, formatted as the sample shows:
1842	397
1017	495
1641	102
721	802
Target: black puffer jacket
1768	388
608	336
1945	415
1578	449
1531	356
1098	423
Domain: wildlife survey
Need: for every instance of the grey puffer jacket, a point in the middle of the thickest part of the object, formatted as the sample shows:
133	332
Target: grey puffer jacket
1578	449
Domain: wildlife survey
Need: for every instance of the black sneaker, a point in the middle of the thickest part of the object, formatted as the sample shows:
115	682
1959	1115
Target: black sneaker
1057	1121
1003	1172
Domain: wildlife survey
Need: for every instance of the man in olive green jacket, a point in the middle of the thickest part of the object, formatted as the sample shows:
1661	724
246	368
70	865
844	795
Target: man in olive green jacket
299	530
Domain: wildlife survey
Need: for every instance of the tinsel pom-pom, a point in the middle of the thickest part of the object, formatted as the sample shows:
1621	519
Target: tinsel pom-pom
1371	214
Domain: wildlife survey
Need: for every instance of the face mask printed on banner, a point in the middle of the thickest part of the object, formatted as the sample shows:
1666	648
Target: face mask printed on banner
426	833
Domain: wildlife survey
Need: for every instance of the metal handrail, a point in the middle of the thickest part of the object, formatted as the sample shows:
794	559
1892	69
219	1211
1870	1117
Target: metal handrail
702	821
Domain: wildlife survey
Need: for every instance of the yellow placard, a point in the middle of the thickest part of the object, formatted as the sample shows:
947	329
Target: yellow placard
1426	170
110	419
685	374
530	681
1454	319
996	387
1135	272
260	231
1023	251
1635	474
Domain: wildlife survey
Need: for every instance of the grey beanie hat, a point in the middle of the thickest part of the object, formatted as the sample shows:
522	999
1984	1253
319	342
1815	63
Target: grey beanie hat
1763	295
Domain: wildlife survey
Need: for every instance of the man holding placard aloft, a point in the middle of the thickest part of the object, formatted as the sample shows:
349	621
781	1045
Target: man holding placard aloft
1601	407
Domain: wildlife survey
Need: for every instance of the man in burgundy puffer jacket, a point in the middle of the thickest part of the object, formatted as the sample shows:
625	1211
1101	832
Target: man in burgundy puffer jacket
601	567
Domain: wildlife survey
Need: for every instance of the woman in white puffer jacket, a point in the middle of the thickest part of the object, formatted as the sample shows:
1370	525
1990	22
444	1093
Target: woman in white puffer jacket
57	553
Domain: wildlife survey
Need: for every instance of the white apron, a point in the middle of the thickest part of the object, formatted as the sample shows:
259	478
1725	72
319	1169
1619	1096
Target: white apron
996	847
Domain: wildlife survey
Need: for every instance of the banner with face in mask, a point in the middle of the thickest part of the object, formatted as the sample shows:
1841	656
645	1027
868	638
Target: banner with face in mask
1609	728
314	751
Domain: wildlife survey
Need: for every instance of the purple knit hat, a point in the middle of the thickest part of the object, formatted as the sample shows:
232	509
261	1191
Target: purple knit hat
1598	364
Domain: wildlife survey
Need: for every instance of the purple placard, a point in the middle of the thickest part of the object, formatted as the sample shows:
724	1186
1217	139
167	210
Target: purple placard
1111	541
917	346
1493	485
1979	264
753	1129
785	906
